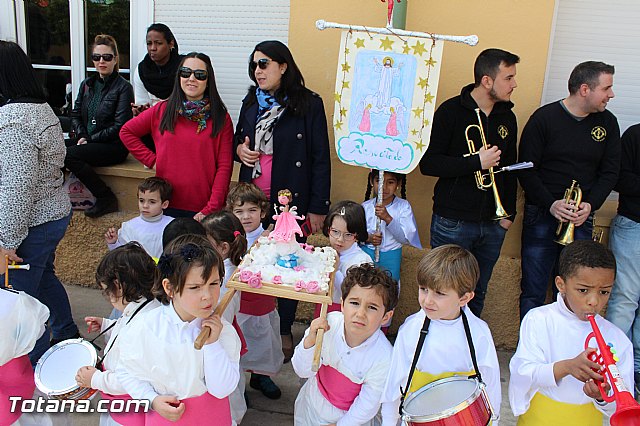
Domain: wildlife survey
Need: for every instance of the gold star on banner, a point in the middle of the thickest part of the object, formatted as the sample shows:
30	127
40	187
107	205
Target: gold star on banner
343	112
419	49
426	122
346	50
430	62
423	83
406	48
418	112
428	97
337	97
346	67
419	145
386	43
345	85
359	43
414	132
338	125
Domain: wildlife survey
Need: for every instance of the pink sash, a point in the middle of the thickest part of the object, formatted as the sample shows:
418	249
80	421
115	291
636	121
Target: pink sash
125	418
243	341
256	304
203	410
336	387
16	379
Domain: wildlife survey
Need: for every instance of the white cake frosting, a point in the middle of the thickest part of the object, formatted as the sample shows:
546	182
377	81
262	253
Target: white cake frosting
315	265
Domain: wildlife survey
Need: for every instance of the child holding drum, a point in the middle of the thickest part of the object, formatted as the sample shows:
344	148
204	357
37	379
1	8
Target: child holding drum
126	276
355	353
159	361
553	381
454	358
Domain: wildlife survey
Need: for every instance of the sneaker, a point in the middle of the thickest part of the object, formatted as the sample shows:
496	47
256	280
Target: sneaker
103	206
265	385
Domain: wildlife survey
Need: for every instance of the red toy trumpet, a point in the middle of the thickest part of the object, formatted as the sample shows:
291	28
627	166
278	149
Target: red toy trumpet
627	409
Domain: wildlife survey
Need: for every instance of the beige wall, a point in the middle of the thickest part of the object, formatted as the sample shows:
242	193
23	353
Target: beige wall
522	27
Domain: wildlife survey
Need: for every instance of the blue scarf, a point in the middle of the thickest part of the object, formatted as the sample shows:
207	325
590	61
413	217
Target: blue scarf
266	101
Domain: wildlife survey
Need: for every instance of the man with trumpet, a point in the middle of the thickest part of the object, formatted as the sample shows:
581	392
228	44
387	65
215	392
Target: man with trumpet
573	139
472	134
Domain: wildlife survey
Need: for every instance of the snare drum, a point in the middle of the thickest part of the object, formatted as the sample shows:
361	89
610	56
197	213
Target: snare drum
56	371
452	401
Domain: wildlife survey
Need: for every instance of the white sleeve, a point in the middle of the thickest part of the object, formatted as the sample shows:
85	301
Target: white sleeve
490	370
397	378
130	356
404	228
106	381
141	93
222	363
22	325
367	403
529	367
303	358
625	368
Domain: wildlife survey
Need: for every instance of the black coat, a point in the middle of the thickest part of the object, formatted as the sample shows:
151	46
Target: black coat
113	111
301	154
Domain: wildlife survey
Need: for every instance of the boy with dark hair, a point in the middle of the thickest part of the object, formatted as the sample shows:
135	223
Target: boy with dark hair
447	276
355	354
154	194
553	380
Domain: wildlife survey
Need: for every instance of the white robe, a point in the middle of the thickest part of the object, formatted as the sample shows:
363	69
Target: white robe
158	358
445	350
147	232
400	231
366	364
22	320
553	333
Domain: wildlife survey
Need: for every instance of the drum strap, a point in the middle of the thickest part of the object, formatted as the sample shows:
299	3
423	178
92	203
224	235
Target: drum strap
106	351
423	334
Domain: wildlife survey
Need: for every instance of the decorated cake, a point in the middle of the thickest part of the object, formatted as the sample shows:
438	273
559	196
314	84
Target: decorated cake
278	259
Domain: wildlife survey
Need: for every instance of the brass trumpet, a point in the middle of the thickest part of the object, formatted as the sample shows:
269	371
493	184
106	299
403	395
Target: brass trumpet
485	181
572	195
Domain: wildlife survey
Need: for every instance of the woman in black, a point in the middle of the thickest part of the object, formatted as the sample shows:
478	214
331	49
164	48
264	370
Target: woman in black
103	105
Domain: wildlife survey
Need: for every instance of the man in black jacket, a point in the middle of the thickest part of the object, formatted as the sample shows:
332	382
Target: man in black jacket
463	213
575	138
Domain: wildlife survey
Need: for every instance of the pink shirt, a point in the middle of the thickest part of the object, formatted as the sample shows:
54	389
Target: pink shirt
264	180
196	165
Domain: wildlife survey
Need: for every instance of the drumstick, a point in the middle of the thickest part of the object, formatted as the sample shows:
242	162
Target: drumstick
319	336
6	271
206	330
25	266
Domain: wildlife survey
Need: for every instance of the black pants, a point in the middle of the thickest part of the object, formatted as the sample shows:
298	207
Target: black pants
81	159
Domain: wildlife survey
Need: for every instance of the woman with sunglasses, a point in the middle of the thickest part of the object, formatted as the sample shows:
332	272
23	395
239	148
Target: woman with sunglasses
193	136
103	105
281	140
153	77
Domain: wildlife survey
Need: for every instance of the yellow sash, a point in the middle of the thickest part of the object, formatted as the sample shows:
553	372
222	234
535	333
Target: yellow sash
421	379
545	411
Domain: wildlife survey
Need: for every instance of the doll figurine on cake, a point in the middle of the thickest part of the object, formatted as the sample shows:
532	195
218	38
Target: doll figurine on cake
286	229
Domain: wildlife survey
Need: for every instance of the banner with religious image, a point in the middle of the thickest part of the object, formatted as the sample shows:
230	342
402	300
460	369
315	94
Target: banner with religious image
385	99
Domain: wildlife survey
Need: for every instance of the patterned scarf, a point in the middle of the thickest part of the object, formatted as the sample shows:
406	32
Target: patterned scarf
269	111
198	111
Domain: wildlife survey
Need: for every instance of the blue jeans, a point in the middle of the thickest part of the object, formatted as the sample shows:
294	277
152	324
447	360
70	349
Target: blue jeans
482	239
38	250
623	310
540	254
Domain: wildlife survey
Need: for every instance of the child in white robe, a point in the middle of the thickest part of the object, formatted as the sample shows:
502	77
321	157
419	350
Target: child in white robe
355	354
446	278
227	236
159	361
258	317
23	321
126	277
552	381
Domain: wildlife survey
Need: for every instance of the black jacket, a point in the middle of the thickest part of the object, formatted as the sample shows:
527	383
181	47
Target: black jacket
113	111
301	154
629	182
456	195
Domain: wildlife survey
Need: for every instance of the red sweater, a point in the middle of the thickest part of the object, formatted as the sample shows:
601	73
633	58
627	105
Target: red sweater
196	165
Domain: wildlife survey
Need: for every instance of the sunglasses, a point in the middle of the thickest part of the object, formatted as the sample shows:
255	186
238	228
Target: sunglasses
260	63
107	57
185	72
